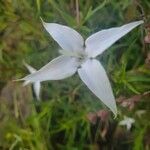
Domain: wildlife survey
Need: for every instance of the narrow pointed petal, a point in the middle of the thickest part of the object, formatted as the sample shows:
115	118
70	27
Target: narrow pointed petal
66	37
30	69
59	68
94	76
37	87
103	39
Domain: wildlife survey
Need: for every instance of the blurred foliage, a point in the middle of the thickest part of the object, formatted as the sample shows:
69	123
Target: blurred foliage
60	121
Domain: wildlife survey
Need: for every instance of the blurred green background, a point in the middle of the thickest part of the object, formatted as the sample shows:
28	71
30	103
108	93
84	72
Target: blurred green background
69	116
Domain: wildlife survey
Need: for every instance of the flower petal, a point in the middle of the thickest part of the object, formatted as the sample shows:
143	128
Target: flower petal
127	122
103	39
37	87
94	76
30	69
66	37
59	68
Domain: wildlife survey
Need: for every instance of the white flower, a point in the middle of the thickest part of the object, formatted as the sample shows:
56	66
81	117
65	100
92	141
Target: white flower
127	122
79	56
36	84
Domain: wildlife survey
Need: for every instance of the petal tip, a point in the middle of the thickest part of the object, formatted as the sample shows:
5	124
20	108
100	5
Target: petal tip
41	20
140	22
114	111
16	80
115	114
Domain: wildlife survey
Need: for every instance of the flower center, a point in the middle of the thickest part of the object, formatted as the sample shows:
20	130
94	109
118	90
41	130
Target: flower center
81	56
